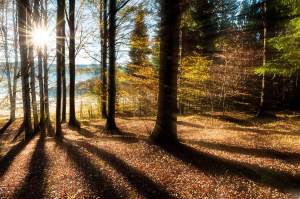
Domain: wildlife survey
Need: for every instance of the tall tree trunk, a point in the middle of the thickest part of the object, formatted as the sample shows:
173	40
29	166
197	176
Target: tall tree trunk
32	73
41	86
165	127
14	92
262	105
22	6
64	83
103	31
110	122
72	70
6	55
38	22
59	59
45	67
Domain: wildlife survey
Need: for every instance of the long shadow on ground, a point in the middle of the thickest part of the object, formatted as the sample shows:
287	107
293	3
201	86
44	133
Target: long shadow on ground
257	152
124	137
101	186
244	122
6	160
263	131
35	183
5	127
144	185
188	124
219	166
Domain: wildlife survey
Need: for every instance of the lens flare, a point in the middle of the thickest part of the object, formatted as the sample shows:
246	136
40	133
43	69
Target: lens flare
40	36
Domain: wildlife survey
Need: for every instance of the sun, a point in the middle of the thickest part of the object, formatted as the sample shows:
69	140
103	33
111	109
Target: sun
39	36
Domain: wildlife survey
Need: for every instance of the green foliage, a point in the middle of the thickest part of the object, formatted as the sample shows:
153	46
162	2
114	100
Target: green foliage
287	61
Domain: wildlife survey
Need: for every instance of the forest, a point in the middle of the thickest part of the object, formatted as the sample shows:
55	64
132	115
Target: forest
149	99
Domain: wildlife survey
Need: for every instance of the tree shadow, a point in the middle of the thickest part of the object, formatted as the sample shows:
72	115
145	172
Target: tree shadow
85	133
219	166
101	186
244	122
7	159
227	118
19	132
188	124
263	131
35	182
5	127
265	153
143	184
122	136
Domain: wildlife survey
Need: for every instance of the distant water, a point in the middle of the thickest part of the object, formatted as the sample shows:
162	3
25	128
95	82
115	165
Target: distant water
83	73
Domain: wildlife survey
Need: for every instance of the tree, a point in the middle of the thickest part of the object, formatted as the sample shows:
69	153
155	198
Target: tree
14	91
11	84
45	68
60	59
63	71
32	71
22	6
262	108
139	43
37	24
166	127
142	75
104	32
73	121
110	122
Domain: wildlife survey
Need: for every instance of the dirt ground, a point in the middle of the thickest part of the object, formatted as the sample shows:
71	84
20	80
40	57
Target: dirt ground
232	156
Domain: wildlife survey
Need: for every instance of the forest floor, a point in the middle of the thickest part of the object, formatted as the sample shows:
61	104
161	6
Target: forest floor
232	156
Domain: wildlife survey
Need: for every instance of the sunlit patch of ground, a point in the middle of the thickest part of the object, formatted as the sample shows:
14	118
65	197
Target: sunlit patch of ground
232	156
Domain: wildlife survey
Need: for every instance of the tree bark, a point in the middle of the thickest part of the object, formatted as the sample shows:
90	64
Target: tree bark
64	83
6	55
110	122
14	92
32	74
165	127
103	31
59	60
262	108
45	67
22	6
72	65
64	86
40	66
41	86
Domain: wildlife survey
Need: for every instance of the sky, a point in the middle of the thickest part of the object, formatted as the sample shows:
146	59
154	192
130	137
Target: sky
87	17
87	22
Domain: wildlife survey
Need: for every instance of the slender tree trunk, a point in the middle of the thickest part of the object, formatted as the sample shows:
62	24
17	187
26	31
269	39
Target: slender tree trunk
14	92
41	86
262	110
37	21
104	60
64	83
6	55
59	59
45	67
72	69
165	127
32	74
22	6
110	122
